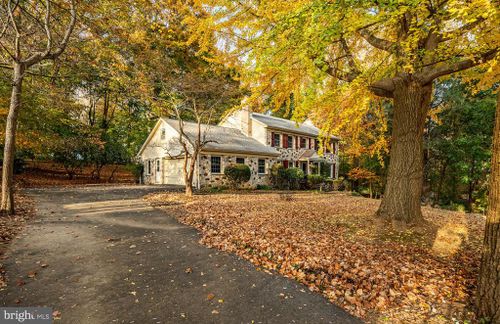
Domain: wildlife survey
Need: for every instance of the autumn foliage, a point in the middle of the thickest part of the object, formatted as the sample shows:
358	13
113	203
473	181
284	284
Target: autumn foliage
334	245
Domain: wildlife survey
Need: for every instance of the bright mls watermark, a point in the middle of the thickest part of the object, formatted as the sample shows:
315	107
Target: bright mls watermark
30	315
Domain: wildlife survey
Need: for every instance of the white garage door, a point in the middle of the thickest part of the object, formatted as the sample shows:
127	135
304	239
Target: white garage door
173	172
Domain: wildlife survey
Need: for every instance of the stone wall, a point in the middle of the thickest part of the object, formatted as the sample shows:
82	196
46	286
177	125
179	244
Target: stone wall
209	179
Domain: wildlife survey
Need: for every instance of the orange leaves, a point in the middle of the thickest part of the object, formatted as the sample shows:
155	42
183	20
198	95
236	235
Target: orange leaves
361	174
333	244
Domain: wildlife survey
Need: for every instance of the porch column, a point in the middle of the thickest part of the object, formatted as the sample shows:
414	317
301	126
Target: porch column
308	168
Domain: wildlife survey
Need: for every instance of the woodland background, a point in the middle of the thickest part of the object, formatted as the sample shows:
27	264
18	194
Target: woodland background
94	106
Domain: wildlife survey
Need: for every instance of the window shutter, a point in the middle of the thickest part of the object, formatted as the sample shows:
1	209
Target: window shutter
310	143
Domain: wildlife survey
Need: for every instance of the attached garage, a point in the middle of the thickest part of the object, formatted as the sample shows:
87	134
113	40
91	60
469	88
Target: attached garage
173	173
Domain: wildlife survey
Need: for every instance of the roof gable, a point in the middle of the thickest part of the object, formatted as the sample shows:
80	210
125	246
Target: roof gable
306	128
223	139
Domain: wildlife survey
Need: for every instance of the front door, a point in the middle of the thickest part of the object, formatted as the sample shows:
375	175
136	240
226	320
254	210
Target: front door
157	171
304	167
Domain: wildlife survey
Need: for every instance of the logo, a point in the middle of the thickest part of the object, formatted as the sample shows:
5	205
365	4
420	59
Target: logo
29	315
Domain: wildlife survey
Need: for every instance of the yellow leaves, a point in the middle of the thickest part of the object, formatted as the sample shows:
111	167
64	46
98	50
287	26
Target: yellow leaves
138	36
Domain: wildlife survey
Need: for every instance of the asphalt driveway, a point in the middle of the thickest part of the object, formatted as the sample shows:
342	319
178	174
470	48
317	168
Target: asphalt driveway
100	254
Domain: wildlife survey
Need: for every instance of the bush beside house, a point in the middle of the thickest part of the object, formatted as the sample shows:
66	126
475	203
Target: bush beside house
237	174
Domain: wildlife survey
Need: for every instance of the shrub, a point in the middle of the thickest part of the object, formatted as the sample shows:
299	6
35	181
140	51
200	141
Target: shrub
237	174
328	184
293	177
136	169
216	189
315	181
338	184
286	178
278	178
263	187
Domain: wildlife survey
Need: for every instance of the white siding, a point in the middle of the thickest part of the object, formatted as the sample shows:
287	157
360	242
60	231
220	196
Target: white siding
159	148
259	132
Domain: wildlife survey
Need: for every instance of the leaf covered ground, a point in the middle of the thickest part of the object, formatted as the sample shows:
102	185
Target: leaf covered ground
11	226
333	244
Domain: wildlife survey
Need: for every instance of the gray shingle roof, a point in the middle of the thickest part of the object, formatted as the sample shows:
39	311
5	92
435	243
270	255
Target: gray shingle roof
225	139
287	125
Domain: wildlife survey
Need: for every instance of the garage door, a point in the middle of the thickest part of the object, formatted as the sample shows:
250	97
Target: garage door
173	172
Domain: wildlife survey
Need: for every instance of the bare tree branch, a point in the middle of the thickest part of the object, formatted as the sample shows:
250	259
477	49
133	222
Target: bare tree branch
383	88
381	44
449	68
48	54
47	26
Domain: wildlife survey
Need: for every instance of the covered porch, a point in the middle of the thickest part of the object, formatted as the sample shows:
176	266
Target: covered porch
312	163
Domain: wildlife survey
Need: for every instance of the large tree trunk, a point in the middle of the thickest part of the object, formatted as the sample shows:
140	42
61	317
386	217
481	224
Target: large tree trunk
7	203
402	196
489	275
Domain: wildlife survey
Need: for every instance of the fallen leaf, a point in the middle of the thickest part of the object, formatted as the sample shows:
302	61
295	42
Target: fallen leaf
56	314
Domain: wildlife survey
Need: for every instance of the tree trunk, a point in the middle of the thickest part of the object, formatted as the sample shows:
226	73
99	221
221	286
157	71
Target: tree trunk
489	274
188	175
188	180
402	196
7	203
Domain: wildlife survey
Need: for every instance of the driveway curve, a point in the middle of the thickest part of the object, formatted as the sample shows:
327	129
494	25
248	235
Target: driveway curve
100	254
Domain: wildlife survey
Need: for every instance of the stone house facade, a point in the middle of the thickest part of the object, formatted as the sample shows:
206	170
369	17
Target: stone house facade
257	140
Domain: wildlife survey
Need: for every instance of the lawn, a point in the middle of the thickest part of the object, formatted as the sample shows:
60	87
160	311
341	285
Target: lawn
333	244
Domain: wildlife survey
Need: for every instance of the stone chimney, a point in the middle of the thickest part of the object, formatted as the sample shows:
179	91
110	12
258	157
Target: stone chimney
246	117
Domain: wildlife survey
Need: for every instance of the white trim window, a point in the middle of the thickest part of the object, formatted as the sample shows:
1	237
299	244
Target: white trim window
148	167
215	164
261	166
163	133
276	140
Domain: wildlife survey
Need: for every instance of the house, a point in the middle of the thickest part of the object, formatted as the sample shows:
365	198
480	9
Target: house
257	140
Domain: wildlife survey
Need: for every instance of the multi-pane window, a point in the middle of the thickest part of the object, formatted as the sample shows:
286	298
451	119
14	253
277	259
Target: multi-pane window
303	142
262	166
290	141
276	140
240	160
163	133
215	164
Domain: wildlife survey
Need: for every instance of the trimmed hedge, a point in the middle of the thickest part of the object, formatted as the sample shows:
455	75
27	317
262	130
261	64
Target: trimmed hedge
237	174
